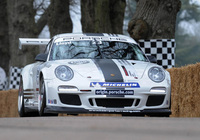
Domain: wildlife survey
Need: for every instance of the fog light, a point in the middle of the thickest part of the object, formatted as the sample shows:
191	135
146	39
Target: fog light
158	90
67	88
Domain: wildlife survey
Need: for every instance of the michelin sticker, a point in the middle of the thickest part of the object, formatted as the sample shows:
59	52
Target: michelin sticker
110	84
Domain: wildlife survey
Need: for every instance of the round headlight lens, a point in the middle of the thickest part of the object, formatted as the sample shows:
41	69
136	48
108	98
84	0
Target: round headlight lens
64	73
156	74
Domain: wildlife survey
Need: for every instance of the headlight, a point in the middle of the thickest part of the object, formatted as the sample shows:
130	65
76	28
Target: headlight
156	74
64	73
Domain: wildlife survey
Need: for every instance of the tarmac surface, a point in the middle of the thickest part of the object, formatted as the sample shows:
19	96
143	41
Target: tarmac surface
99	128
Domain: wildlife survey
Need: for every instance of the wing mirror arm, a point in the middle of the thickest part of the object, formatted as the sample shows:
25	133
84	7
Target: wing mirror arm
152	59
41	57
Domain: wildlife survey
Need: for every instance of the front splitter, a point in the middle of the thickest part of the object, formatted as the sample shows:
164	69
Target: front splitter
69	110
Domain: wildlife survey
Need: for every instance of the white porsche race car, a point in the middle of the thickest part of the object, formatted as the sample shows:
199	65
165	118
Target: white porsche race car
93	73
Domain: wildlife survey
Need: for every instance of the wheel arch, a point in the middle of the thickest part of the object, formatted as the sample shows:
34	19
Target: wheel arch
27	78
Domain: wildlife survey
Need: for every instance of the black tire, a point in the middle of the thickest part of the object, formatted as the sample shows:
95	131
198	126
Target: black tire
42	101
21	109
159	115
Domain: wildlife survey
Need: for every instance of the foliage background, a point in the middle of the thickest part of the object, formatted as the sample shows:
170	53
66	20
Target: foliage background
187	31
28	18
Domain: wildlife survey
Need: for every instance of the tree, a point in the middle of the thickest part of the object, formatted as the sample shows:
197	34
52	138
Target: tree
154	19
191	11
59	20
129	12
102	15
18	21
4	40
21	24
187	41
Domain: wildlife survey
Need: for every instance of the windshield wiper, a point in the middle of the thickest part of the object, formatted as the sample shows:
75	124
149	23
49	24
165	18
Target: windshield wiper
78	54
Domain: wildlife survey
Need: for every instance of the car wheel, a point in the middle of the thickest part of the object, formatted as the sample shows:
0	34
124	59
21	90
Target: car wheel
42	100
21	109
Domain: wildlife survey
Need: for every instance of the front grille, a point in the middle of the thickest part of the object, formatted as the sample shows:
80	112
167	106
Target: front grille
70	99
155	100
114	103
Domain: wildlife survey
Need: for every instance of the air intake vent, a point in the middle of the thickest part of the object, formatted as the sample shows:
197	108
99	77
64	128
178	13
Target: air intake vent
155	100
114	103
70	99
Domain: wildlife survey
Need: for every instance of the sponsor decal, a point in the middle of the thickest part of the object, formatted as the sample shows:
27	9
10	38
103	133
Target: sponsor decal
52	101
113	84
114	92
124	111
79	62
126	66
64	43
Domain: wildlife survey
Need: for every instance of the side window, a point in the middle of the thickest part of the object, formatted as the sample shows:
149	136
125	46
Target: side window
48	47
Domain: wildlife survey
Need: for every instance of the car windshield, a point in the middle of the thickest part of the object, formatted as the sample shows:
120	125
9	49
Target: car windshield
96	50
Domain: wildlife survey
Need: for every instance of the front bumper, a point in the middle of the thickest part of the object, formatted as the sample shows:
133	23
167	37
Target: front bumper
144	101
69	110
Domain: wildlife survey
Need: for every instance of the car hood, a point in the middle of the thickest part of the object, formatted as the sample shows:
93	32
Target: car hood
110	70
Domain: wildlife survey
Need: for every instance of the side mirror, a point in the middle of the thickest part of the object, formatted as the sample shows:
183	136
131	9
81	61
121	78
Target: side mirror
152	59
41	57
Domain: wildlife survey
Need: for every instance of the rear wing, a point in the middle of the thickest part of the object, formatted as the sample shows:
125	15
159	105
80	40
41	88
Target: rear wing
32	41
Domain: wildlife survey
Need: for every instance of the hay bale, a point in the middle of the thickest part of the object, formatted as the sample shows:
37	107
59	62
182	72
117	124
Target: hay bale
185	94
8	103
185	91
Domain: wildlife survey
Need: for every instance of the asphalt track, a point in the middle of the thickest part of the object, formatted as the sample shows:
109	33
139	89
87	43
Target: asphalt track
99	128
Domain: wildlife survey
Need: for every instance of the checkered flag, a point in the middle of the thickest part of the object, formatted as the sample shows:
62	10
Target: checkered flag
14	77
3	86
162	49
